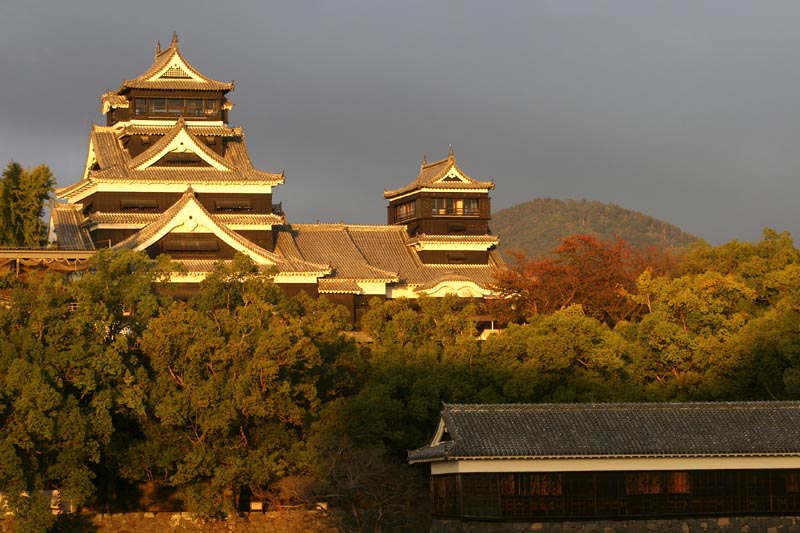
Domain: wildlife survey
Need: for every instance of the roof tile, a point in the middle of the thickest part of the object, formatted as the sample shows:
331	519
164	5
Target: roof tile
508	431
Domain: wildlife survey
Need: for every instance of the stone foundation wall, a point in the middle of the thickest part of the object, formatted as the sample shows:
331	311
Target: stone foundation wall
272	522
734	524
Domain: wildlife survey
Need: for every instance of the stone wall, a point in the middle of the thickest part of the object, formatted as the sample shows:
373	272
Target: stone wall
734	524
272	522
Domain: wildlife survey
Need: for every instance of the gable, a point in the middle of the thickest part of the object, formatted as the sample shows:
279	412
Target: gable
185	144
176	69
189	222
453	176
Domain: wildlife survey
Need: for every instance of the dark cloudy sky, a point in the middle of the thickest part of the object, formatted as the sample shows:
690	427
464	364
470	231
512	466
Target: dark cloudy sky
686	110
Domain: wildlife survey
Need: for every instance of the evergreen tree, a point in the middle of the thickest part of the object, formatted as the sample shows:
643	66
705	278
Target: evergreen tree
23	195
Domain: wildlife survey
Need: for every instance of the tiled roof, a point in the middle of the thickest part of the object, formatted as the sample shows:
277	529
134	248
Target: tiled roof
116	165
482	239
436	274
338	286
66	224
162	59
196	129
113	100
329	243
360	252
483	275
509	431
131	218
239	219
184	176
431	174
197	266
244	219
385	247
176	84
107	149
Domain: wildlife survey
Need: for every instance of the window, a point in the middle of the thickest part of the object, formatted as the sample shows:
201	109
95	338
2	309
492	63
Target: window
658	483
233	205
190	107
210	107
679	483
128	204
455	206
175	106
194	107
404	211
157	106
140	106
643	483
792	482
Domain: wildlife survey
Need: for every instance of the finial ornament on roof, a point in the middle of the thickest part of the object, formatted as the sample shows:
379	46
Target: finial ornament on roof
158	47
450	155
424	161
174	43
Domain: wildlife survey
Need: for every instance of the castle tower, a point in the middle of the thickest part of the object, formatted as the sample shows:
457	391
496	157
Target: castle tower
446	213
166	137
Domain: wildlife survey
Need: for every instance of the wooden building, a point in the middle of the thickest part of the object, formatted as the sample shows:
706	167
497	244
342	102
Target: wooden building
581	461
167	174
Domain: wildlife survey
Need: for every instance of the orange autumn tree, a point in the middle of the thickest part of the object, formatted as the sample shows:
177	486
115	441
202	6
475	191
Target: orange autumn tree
583	270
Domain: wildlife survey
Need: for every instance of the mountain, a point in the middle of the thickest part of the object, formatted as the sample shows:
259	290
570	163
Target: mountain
538	226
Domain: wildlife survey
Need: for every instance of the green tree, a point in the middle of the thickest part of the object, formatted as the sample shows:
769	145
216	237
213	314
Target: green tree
684	342
23	196
751	262
71	374
238	373
423	352
566	356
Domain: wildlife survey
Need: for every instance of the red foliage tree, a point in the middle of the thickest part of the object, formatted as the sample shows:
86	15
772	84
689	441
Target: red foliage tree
581	270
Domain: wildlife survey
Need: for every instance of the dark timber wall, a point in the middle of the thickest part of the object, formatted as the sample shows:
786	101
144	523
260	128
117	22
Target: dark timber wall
730	524
584	495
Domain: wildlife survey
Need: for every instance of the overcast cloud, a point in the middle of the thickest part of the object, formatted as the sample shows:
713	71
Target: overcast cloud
685	110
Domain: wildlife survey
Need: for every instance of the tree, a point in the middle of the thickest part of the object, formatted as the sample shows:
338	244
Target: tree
684	341
237	374
23	196
751	262
583	270
71	374
566	356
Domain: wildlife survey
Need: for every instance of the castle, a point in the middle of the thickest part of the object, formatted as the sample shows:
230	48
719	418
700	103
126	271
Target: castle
167	174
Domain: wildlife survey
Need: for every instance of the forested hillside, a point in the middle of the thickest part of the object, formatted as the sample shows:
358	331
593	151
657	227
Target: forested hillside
539	225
